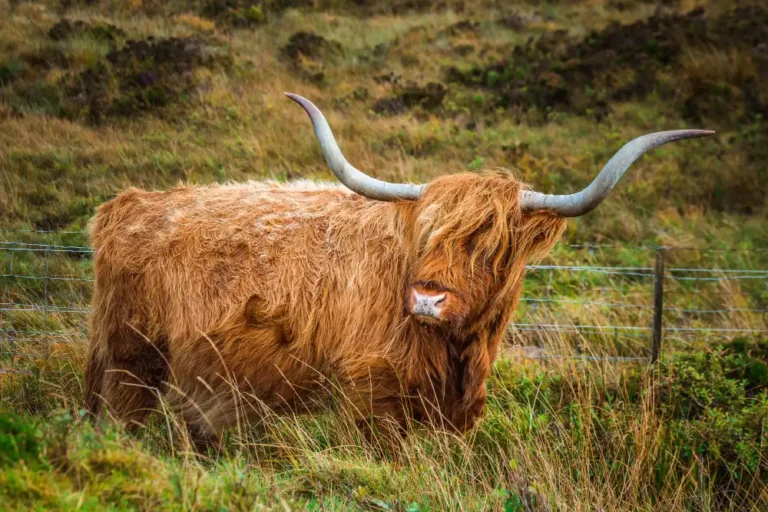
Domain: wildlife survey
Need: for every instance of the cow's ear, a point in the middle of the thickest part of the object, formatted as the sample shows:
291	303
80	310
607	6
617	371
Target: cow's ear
539	232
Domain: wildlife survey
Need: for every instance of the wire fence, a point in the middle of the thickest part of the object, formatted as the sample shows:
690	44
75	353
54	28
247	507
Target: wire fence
635	304
603	301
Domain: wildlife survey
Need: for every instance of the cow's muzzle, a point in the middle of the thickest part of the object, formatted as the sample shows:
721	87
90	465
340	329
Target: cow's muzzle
429	305
424	304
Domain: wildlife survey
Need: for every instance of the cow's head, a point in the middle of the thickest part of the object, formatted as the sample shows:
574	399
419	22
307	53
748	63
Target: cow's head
473	233
470	244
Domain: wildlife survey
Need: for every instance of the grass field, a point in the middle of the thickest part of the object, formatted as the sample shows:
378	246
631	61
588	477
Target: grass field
96	96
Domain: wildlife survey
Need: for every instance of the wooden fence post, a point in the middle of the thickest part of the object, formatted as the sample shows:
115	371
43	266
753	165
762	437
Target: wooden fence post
658	305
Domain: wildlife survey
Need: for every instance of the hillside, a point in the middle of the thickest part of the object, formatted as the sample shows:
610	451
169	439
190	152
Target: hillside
98	96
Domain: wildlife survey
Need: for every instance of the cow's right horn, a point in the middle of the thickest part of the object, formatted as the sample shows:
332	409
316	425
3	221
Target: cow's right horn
584	201
355	180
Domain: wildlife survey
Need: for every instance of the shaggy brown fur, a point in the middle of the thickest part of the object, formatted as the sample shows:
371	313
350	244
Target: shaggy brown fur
274	289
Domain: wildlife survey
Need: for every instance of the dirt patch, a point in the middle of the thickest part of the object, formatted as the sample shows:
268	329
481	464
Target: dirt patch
65	29
248	13
516	20
113	78
400	7
411	95
142	76
234	12
560	73
308	44
460	28
309	54
34	65
625	5
31	65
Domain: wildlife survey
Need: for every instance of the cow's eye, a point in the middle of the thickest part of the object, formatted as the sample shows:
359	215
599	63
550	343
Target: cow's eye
470	245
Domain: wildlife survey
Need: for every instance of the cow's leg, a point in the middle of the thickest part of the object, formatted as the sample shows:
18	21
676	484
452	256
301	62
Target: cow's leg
384	431
203	439
375	397
200	395
202	414
385	428
134	377
475	365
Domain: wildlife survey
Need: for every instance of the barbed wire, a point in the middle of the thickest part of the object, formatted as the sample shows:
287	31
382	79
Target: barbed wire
625	271
49	249
17	330
51	334
9	306
666	248
583	357
43	231
584	303
581	328
72	336
49	278
588	246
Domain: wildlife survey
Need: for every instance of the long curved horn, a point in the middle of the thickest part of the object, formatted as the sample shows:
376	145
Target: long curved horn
352	178
575	205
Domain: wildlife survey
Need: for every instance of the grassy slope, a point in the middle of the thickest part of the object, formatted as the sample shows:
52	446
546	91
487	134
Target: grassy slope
234	123
559	436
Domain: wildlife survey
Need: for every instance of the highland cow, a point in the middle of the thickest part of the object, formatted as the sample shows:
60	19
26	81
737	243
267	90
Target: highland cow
399	293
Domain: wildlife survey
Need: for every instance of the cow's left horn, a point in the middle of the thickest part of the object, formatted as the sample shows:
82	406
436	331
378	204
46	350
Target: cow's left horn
575	205
354	179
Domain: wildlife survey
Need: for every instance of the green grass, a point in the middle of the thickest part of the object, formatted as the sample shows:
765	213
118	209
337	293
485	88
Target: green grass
689	435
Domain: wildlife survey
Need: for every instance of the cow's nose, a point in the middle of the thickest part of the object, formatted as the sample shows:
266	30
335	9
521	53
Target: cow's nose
429	305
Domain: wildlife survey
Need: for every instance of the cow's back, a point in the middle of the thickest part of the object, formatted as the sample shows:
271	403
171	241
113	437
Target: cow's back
185	258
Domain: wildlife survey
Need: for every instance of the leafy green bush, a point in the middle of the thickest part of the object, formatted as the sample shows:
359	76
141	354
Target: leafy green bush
709	409
19	440
715	405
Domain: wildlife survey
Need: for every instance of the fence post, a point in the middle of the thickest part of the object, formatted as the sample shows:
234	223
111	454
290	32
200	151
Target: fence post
12	327
658	305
